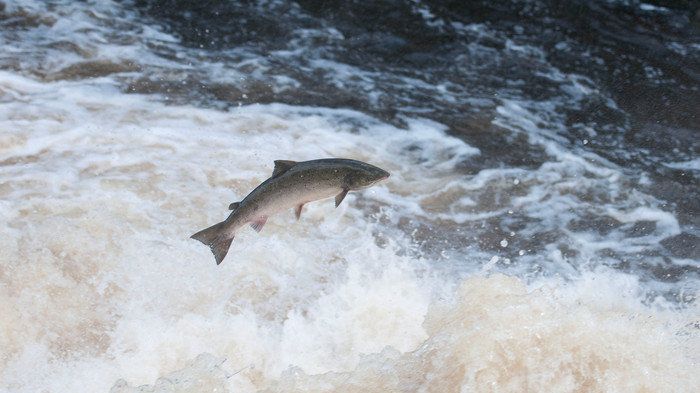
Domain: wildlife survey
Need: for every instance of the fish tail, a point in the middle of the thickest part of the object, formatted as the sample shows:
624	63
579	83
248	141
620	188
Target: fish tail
217	238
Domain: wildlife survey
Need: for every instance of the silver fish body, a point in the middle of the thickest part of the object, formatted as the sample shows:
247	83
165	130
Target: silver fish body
291	185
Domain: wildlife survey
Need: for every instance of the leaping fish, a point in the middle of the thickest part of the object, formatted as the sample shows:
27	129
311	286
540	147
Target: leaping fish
292	184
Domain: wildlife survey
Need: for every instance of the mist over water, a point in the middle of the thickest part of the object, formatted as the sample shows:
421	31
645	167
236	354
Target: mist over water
539	231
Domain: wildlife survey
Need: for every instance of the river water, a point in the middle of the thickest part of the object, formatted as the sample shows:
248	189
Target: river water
539	231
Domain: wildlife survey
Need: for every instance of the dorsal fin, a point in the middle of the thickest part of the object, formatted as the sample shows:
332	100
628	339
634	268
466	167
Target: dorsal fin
233	206
282	166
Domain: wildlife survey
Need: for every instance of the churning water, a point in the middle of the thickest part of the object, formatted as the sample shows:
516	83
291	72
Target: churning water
539	231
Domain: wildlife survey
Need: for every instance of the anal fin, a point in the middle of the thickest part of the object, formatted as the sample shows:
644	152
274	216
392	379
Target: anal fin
234	206
297	210
258	224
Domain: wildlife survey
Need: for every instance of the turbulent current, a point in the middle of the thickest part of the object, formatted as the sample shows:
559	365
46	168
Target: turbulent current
539	231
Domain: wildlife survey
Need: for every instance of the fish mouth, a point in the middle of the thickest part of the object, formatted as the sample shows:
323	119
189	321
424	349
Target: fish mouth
380	179
376	181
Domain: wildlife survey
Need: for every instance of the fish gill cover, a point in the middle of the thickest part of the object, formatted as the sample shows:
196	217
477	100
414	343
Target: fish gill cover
539	231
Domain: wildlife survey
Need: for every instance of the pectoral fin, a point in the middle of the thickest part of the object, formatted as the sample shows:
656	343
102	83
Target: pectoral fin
339	198
297	210
258	224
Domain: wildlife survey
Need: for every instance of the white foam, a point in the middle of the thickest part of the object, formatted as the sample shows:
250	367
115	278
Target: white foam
689	165
102	32
653	8
496	332
100	282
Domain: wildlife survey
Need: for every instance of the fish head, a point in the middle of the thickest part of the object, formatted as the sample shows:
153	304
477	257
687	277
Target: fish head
365	176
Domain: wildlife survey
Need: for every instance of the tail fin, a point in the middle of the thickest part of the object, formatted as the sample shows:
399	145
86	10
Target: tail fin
216	238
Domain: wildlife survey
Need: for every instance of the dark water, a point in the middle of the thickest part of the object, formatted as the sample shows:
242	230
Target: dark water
456	62
645	61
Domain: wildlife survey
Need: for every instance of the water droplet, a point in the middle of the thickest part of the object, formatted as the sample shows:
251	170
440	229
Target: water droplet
504	243
516	181
521	252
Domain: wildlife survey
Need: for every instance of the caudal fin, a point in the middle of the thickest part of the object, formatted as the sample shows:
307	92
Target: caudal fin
216	238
